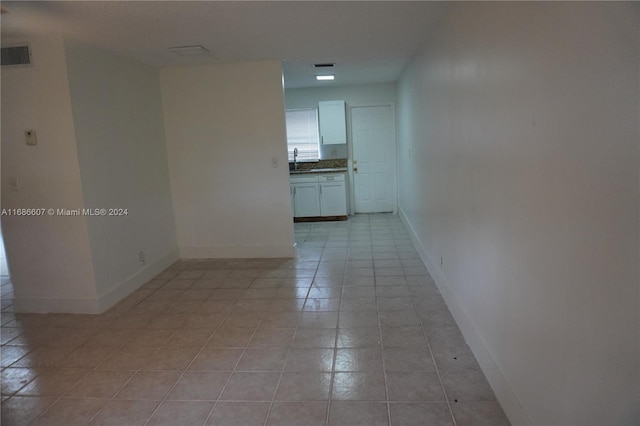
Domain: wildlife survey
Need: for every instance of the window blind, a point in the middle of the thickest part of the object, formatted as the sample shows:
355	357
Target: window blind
302	133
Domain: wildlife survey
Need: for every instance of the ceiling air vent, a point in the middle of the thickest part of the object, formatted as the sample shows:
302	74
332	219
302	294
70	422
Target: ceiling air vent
15	55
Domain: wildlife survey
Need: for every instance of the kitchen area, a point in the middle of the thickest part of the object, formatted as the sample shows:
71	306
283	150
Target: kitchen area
318	183
340	164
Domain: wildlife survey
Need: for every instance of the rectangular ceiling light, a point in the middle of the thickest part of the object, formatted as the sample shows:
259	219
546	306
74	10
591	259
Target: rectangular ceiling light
189	50
325	77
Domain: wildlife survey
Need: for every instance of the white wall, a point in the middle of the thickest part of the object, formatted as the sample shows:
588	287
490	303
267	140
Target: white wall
117	111
358	94
49	256
224	125
518	165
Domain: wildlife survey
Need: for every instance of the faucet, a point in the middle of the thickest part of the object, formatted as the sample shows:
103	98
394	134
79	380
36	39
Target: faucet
295	158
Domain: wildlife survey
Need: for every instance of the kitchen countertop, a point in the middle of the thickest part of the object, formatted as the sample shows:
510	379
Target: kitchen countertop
331	170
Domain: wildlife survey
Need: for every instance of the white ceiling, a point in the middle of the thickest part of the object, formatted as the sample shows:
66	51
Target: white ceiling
370	41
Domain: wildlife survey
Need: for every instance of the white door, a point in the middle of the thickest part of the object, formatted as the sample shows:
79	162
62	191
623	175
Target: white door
373	158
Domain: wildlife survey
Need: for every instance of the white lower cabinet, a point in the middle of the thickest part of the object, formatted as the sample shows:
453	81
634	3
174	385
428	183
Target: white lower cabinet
333	198
305	200
318	195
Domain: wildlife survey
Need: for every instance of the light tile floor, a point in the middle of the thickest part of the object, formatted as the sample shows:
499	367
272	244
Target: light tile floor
351	332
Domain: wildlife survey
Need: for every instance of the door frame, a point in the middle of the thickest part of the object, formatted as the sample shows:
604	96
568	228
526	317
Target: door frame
393	160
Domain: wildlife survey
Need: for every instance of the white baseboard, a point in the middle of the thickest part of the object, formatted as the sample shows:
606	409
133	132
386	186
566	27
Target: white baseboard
237	252
102	303
56	306
134	282
504	392
120	291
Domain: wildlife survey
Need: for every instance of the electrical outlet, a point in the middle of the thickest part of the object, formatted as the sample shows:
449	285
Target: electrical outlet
141	258
30	137
275	163
441	262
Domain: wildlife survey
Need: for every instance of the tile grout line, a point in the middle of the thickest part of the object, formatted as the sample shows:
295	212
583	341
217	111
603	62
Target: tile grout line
437	370
188	365
119	388
236	365
335	347
215	403
135	371
286	358
95	368
384	371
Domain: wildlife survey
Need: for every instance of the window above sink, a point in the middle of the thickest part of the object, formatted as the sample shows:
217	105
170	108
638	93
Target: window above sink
302	133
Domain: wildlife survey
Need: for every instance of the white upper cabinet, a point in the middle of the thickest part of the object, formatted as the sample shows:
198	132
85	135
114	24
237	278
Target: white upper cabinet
333	125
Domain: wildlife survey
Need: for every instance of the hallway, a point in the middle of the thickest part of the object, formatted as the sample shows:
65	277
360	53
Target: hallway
353	331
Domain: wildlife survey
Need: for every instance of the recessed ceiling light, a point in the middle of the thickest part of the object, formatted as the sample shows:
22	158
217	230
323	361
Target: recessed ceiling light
325	77
189	50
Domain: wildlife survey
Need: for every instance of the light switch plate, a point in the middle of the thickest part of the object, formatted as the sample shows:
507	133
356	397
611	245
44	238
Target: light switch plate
30	137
